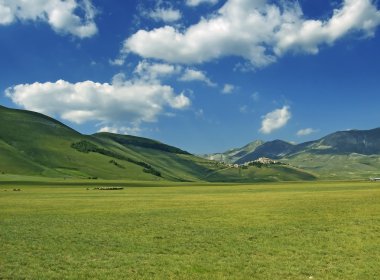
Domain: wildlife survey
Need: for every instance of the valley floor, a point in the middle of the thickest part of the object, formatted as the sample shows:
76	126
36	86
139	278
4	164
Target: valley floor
69	230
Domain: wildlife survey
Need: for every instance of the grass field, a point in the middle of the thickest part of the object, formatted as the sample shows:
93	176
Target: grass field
316	230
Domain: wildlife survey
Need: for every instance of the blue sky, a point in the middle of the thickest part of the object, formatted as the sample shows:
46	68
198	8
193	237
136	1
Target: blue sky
203	75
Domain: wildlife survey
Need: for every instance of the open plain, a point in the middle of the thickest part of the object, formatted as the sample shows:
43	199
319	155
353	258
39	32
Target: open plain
296	230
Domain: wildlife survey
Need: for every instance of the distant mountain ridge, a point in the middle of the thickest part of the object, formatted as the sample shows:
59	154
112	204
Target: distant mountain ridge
364	142
274	149
352	154
233	155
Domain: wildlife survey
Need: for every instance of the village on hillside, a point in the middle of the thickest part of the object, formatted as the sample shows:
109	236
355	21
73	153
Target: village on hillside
263	161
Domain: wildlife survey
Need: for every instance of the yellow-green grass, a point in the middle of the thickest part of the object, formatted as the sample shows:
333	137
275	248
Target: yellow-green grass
313	230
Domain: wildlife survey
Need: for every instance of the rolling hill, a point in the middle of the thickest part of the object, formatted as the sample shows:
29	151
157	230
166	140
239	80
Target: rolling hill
33	144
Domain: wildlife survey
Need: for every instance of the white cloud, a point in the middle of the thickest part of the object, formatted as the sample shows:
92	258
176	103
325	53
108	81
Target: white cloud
75	17
257	30
308	35
196	75
275	120
194	3
119	104
306	131
119	61
228	88
121	130
6	14
153	71
166	15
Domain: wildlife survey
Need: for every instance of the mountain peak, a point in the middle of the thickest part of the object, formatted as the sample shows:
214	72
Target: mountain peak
235	154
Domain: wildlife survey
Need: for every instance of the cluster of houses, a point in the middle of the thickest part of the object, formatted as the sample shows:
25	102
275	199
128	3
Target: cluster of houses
262	160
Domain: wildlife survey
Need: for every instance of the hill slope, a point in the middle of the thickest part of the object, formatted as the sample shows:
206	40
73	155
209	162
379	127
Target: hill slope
36	145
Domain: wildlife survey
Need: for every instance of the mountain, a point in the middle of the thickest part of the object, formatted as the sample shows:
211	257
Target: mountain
236	154
274	149
352	154
365	142
36	145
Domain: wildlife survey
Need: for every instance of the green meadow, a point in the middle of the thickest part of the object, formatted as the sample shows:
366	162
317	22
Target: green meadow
296	230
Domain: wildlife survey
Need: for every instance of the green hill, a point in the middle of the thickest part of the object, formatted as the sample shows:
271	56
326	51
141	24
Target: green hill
337	166
32	144
265	173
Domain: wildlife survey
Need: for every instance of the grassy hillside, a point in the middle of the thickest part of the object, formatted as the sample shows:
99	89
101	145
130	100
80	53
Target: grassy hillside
327	166
173	163
32	144
270	173
129	140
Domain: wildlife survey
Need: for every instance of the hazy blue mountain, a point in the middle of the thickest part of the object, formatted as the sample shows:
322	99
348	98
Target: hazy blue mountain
353	154
274	149
364	142
235	154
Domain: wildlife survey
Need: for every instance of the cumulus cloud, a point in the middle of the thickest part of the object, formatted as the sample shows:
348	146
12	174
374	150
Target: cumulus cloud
119	61
194	3
195	75
121	130
152	71
228	88
308	35
75	17
166	15
114	105
306	131
275	120
259	31
6	14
